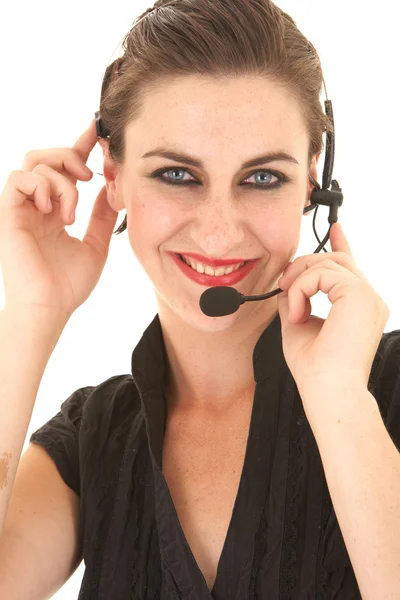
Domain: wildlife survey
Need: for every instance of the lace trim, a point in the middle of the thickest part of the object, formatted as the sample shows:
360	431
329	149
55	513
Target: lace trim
289	555
150	589
97	546
323	584
260	546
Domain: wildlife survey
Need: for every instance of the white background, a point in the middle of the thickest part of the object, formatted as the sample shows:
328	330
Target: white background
53	57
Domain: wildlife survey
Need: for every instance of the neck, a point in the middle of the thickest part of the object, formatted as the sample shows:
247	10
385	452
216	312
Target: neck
212	370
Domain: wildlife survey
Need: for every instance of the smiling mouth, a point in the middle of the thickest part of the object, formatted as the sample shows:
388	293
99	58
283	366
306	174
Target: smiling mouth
213	272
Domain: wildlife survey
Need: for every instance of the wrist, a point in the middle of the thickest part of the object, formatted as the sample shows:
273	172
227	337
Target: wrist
319	385
328	399
43	319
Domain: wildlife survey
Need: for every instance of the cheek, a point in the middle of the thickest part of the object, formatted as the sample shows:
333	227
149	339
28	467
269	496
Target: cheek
279	234
149	226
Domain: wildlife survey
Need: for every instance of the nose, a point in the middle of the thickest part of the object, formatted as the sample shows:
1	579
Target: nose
219	228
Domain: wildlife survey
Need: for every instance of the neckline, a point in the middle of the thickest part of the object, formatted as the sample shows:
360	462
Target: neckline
148	368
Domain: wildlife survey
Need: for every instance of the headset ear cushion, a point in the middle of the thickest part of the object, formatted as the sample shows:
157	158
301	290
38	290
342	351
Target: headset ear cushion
98	124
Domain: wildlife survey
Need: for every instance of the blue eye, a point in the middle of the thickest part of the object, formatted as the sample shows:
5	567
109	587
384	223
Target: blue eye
261	186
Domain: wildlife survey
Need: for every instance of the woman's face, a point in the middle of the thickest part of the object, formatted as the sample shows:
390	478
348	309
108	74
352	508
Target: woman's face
221	124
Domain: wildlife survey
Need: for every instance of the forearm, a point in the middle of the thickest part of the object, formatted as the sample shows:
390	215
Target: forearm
362	469
27	339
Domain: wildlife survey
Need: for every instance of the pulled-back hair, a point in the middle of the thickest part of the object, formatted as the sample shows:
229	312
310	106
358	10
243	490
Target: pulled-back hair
216	38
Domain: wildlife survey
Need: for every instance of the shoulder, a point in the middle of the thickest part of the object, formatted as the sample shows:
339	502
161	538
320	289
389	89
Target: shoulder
390	342
115	393
106	407
384	381
92	410
89	428
387	360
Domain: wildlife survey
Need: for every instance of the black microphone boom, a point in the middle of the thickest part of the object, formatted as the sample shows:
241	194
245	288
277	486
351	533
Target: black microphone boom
224	300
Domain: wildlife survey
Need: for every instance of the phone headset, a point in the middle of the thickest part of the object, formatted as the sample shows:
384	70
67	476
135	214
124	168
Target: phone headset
219	301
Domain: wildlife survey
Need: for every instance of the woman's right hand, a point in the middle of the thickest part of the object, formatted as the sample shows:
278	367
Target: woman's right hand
42	265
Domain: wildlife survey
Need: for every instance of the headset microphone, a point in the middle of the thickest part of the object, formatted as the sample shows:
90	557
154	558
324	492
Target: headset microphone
224	300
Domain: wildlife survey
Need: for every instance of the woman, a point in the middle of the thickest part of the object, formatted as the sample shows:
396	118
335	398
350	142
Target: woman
217	468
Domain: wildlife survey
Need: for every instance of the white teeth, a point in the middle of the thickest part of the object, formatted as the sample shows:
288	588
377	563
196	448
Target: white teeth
209	270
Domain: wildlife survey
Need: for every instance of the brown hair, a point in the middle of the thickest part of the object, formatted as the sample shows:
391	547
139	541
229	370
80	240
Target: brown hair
224	38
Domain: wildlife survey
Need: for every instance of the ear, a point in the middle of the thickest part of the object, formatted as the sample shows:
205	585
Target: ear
111	172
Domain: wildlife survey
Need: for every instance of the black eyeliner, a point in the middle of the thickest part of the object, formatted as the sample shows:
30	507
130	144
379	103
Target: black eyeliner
281	178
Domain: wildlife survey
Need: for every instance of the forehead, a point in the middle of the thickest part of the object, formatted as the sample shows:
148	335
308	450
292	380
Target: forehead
213	111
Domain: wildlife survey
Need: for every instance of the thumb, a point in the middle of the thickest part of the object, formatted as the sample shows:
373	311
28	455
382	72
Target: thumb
338	239
101	224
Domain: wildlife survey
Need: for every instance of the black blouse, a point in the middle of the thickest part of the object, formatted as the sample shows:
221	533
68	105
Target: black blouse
283	541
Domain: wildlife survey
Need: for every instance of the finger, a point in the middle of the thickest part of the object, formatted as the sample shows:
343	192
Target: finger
22	186
297	317
62	193
328	281
302	263
64	160
87	141
305	315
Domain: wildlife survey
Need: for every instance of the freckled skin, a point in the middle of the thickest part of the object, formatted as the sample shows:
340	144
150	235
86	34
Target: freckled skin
224	122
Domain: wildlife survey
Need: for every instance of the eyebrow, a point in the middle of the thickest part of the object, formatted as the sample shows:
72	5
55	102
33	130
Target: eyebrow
195	162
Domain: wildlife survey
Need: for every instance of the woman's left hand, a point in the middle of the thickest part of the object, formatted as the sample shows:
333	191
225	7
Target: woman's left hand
343	346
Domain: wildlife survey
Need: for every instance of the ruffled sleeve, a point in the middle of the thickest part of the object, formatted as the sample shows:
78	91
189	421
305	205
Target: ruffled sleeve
385	383
60	437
